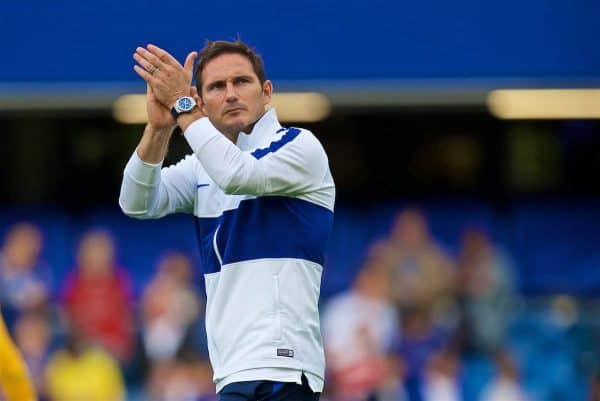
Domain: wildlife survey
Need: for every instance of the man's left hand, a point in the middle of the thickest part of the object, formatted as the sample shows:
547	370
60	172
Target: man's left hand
167	77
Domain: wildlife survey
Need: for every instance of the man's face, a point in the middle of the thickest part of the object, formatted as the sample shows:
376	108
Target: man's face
232	96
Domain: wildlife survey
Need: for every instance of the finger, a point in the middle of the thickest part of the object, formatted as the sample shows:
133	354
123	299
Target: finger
162	55
148	66
149	57
145	75
188	66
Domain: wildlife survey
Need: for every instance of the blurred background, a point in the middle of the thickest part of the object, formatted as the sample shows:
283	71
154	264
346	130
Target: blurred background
464	139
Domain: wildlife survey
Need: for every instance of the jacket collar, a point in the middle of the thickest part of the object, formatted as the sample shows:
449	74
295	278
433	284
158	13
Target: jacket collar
263	132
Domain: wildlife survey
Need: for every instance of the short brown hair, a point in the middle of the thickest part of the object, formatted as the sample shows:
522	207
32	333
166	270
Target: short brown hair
214	49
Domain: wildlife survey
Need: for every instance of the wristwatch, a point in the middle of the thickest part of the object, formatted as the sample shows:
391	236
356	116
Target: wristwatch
183	104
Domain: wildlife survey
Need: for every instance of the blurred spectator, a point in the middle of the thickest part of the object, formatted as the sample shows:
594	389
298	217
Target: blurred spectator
33	337
487	291
441	379
421	341
420	273
564	312
80	372
170	314
505	386
97	297
24	278
360	328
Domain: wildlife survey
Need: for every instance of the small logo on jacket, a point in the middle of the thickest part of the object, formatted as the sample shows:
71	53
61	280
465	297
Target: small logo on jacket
289	353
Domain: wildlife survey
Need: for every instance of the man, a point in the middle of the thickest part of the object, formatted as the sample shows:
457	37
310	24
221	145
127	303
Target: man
15	383
263	197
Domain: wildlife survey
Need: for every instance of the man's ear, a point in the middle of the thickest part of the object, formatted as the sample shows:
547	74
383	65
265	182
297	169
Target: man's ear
267	91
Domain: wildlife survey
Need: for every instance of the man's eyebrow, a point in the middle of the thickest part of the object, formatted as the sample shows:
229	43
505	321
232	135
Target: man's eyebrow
216	81
219	81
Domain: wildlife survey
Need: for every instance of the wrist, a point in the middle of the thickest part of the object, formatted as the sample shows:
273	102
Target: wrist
160	131
154	143
186	119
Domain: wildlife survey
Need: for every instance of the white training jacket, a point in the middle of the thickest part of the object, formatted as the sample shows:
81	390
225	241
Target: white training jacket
264	208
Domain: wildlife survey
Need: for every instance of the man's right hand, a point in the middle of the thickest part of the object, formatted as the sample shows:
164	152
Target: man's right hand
155	141
159	117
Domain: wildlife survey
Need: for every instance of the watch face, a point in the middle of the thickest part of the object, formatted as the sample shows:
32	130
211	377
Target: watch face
185	103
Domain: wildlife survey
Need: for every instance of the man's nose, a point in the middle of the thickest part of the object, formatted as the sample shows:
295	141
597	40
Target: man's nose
231	94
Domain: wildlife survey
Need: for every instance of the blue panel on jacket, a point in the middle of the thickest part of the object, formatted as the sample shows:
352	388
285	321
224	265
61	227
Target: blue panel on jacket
266	227
275	227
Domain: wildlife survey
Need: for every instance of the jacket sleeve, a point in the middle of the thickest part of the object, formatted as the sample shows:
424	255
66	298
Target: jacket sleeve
294	164
14	378
149	191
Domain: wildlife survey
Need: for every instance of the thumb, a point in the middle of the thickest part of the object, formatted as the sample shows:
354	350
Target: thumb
198	99
194	93
188	66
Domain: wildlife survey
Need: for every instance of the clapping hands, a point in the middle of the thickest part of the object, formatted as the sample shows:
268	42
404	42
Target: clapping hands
166	81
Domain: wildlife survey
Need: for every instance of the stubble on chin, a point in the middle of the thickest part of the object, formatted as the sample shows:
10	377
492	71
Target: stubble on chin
237	127
231	131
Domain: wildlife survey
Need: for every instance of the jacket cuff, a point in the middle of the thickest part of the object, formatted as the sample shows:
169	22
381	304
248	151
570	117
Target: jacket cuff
143	172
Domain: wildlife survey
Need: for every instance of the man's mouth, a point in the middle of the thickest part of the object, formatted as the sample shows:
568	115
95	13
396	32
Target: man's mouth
234	110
